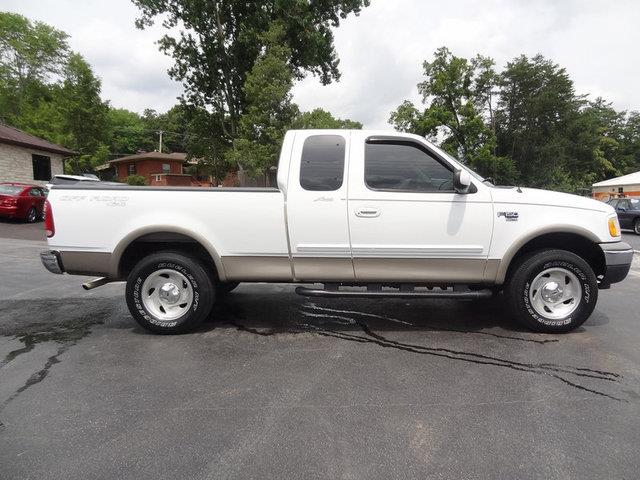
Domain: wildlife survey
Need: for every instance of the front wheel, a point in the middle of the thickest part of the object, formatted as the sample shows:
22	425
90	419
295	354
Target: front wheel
552	291
636	226
169	292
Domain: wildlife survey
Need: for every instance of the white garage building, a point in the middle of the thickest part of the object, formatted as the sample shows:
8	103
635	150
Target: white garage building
26	158
626	185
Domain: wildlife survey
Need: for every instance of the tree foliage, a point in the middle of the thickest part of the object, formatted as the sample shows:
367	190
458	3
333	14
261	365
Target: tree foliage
321	119
524	124
219	42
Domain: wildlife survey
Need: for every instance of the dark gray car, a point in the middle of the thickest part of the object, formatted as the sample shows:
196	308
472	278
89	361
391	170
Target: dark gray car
628	210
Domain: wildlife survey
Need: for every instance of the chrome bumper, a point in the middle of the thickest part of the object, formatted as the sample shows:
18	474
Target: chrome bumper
618	257
51	261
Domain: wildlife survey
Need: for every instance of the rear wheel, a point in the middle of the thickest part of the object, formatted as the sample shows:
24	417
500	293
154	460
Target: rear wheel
636	226
169	292
32	215
552	291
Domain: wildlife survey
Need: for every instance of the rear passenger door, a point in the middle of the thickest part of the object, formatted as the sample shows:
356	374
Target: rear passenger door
316	206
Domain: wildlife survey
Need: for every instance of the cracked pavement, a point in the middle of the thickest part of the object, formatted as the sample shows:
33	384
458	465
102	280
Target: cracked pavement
279	386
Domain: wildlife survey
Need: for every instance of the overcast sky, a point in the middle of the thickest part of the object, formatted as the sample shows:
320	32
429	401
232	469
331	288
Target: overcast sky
381	51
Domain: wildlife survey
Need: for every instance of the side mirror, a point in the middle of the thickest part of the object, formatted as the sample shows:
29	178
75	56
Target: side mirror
461	181
621	209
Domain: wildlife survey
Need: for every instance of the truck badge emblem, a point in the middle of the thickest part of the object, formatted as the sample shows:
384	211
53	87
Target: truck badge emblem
509	216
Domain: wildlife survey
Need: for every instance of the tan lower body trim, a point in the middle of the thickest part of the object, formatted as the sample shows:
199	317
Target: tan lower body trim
436	270
257	269
318	269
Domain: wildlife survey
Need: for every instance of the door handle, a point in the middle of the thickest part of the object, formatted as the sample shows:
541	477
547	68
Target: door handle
368	212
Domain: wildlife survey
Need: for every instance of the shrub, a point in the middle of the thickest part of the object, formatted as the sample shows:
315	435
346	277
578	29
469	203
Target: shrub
135	180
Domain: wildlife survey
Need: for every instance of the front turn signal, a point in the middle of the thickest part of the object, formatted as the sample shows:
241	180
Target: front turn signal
614	227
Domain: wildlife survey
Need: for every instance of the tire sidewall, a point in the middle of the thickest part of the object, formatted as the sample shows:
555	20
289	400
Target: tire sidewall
29	218
196	275
536	265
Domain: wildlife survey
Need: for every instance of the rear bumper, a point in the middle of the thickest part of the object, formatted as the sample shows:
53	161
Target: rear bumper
618	257
52	261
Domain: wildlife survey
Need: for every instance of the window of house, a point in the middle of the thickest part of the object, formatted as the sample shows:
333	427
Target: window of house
322	163
166	168
41	167
131	169
620	189
406	167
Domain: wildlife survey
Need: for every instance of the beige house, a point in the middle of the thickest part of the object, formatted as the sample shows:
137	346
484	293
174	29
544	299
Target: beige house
25	158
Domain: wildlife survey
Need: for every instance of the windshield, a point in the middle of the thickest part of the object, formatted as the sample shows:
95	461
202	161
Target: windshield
9	190
448	156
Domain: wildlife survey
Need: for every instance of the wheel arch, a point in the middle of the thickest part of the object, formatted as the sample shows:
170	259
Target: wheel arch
148	239
577	240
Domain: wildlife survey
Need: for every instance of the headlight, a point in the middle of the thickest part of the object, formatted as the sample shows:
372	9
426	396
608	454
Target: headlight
614	227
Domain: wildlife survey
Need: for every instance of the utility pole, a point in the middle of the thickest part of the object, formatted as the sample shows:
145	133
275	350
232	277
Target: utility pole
160	142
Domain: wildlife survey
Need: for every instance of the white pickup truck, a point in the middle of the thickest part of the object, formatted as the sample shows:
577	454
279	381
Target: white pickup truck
356	213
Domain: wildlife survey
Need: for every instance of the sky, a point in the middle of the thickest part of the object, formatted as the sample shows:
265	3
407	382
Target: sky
381	51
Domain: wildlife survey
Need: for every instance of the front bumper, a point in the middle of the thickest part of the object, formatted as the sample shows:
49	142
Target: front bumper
52	261
617	257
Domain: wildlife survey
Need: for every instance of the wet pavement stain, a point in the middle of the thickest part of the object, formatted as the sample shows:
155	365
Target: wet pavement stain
65	333
556	371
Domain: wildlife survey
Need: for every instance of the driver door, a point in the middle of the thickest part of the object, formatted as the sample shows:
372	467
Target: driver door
407	223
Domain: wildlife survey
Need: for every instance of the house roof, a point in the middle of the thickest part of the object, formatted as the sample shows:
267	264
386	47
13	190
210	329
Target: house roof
631	179
13	136
176	157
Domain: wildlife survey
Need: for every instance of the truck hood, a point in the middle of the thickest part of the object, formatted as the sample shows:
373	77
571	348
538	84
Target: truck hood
534	196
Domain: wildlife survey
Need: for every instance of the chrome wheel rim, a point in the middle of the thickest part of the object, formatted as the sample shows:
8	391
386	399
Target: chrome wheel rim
167	294
637	227
32	215
555	293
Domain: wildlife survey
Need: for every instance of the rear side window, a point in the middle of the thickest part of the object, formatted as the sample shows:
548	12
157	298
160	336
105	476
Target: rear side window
322	163
404	167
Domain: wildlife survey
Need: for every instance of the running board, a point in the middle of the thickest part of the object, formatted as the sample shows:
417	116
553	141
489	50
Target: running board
460	294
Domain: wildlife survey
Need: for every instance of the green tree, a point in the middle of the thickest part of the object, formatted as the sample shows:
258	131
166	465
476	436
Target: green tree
270	111
536	108
321	119
126	133
31	55
219	42
459	112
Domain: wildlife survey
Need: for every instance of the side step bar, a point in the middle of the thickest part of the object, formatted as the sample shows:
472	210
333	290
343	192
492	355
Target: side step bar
460	294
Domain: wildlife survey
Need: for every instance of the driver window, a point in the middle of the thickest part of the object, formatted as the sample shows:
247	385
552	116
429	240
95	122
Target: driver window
404	167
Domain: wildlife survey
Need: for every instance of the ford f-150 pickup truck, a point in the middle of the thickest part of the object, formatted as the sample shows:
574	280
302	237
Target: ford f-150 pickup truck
356	213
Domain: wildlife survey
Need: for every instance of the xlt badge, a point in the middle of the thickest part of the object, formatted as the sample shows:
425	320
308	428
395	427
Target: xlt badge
509	216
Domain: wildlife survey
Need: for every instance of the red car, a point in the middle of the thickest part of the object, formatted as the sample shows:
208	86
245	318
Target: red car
22	201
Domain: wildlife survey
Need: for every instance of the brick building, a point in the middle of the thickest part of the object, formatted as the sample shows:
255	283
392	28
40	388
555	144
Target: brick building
158	169
29	159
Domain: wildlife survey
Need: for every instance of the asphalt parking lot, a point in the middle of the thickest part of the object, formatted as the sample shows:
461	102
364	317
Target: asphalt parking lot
279	386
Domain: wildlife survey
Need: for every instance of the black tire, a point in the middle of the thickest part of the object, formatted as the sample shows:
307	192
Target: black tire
636	226
203	293
32	215
519	285
224	288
